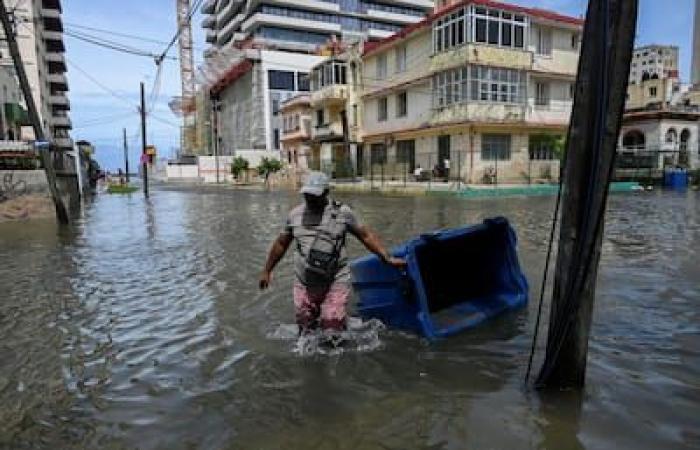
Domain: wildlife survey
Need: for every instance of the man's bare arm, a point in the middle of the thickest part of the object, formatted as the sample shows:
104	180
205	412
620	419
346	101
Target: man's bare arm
279	248
371	241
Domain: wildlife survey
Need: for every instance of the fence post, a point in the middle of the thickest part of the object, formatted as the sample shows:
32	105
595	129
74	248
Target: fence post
430	168
459	170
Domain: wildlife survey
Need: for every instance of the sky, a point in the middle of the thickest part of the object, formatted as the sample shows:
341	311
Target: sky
104	84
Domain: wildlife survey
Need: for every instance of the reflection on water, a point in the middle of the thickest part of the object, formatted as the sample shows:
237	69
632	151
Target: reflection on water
142	328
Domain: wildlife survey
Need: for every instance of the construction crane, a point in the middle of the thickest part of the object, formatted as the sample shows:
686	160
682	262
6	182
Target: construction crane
185	105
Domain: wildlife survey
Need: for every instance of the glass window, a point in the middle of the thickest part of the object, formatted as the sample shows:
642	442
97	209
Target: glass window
495	27
544	41
400	58
302	81
382	109
281	80
478	83
406	153
495	147
401	104
541	94
381	66
541	147
320	120
378	153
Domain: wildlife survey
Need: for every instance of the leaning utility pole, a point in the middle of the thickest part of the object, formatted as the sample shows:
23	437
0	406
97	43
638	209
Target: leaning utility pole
126	157
601	86
144	162
47	160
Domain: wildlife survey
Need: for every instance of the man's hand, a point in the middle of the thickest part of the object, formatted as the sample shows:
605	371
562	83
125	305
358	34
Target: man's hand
265	278
396	262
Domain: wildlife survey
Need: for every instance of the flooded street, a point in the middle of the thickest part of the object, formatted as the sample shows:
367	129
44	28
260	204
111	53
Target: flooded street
142	328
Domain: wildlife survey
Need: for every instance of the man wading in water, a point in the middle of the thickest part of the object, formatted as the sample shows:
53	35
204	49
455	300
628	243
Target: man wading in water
318	229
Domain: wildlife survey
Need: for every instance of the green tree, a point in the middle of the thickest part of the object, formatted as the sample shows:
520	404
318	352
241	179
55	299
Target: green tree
239	166
268	166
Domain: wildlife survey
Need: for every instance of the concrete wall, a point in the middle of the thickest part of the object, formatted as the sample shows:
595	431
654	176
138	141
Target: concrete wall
26	181
418	113
182	172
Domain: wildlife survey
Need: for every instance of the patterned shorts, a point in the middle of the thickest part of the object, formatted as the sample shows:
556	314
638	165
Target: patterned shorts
324	306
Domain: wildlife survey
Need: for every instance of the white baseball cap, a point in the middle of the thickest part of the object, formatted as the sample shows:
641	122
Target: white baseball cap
317	183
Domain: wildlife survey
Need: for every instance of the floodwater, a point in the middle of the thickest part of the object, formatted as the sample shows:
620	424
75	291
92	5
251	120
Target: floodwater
142	328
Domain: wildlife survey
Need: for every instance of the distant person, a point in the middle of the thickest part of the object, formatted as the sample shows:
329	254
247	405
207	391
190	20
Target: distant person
446	165
418	171
318	228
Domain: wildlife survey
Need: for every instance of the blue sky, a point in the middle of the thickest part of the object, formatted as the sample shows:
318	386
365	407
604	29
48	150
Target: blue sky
99	116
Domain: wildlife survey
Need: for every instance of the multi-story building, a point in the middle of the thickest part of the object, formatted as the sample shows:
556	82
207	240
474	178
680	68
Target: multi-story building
40	39
302	25
250	93
296	133
480	90
654	77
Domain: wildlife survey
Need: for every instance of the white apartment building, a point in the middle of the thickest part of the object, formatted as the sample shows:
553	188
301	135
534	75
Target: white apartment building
481	88
250	94
654	61
40	40
302	25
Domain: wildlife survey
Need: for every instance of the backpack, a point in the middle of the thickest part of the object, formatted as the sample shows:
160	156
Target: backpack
324	253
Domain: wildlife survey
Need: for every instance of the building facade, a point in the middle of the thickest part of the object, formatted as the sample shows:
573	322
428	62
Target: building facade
40	39
654	77
302	25
250	94
297	150
480	92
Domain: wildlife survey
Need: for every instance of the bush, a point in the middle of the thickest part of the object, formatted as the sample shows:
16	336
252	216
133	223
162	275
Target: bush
268	166
238	166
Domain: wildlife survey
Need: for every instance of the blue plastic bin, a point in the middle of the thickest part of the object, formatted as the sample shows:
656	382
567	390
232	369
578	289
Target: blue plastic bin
456	279
676	178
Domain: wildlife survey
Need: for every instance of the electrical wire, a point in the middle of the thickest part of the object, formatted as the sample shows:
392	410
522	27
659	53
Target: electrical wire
100	85
116	46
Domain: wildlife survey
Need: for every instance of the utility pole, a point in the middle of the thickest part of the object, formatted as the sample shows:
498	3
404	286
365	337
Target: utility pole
126	157
144	158
215	110
47	160
601	85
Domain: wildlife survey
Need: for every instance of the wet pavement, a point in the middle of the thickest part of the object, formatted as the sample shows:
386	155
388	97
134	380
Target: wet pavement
142	328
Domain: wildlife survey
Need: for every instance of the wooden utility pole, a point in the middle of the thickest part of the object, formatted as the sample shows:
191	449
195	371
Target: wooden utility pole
601	86
45	154
144	163
126	157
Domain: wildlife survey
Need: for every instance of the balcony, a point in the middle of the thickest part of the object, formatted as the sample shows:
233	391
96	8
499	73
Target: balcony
59	102
226	13
328	132
56	62
58	81
289	22
63	142
301	133
480	112
557	114
51	4
560	62
211	37
61	122
311	5
229	29
375	33
402	19
481	54
335	94
54	41
425	4
209	22
209	7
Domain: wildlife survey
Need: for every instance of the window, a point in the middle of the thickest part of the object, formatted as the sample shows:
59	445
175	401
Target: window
329	73
275	105
541	94
450	31
575	43
542	147
406	153
354	115
281	80
544	41
400	59
382	108
302	81
378	153
401	104
495	27
652	91
381	66
276	143
320	121
478	83
495	147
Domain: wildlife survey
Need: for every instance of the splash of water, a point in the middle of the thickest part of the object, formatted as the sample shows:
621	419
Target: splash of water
360	336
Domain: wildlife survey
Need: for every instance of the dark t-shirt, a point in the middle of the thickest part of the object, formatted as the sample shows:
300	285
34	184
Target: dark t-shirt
303	224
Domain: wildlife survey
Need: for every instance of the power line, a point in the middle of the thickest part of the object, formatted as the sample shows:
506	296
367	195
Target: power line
116	46
119	34
187	22
102	86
